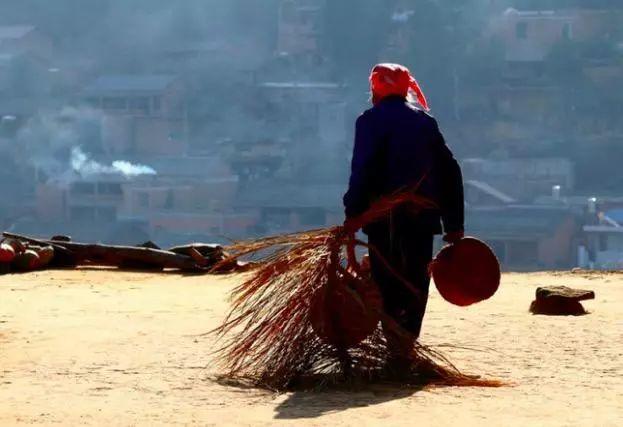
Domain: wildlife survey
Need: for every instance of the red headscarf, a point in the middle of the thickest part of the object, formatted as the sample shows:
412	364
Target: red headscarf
394	79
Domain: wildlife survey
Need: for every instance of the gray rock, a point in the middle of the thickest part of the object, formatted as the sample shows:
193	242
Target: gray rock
560	301
563	292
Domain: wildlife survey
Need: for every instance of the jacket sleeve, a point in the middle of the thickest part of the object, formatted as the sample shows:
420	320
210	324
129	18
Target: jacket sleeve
451	185
357	198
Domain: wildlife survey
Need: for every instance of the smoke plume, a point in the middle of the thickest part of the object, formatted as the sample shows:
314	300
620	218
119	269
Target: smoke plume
85	166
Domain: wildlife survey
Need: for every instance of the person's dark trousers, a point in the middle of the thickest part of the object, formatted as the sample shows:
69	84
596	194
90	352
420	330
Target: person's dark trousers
409	252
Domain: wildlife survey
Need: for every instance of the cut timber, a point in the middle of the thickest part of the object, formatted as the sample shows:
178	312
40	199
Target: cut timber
560	301
128	256
118	256
62	258
206	255
208	250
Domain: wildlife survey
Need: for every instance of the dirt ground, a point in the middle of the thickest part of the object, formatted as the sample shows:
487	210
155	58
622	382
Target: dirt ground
101	347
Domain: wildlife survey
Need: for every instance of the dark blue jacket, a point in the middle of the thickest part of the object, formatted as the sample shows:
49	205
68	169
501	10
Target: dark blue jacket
396	145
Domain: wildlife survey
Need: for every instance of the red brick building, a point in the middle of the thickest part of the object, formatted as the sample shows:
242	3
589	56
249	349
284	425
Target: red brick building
26	39
300	26
144	115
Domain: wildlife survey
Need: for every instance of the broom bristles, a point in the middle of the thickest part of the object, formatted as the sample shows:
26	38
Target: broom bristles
267	339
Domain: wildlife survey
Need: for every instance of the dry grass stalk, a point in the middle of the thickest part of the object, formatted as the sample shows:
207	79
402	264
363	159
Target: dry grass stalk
268	338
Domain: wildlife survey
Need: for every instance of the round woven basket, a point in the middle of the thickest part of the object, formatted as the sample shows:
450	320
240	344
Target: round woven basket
346	312
466	272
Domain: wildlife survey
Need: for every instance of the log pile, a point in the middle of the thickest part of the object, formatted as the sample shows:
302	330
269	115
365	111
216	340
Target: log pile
23	254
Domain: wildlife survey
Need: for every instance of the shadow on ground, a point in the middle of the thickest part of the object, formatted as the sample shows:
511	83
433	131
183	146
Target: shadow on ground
309	404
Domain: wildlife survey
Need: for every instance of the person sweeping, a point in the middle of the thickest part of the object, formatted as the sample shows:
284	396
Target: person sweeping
398	146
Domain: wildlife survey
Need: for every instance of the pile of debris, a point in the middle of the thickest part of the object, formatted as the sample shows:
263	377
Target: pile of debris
22	254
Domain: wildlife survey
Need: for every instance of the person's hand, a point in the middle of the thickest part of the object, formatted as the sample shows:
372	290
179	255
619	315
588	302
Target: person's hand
453	237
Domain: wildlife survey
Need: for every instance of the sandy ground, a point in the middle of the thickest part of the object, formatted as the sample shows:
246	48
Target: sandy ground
110	348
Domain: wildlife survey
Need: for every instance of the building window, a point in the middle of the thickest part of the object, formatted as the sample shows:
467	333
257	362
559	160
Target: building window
521	30
567	31
309	18
288	12
157	103
139	104
82	188
93	102
109	188
82	213
107	214
115	103
143	199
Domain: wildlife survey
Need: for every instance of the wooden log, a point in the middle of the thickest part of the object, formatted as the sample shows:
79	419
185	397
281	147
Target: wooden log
63	257
208	250
118	256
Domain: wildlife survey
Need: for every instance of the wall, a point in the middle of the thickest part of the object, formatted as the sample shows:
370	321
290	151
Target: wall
212	224
530	36
34	43
300	23
117	133
142	200
522	178
159	137
559	251
51	203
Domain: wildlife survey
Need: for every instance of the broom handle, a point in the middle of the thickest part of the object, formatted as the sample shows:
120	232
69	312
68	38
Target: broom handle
351	256
417	293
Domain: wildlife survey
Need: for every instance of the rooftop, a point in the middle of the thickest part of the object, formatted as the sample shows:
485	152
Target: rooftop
130	83
602	229
292	196
12	32
537	14
193	166
490	190
517	221
300	85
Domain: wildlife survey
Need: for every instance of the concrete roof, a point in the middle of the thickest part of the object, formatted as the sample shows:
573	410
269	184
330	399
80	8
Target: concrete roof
300	85
615	214
539	14
193	167
516	222
602	229
130	83
292	196
14	31
490	190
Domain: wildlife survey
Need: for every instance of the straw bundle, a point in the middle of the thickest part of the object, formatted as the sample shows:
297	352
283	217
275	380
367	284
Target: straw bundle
308	315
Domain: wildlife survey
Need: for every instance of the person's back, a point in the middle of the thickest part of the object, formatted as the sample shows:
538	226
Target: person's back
399	147
406	153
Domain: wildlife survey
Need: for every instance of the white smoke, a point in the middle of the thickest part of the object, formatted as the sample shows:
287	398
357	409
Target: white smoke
130	169
84	165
